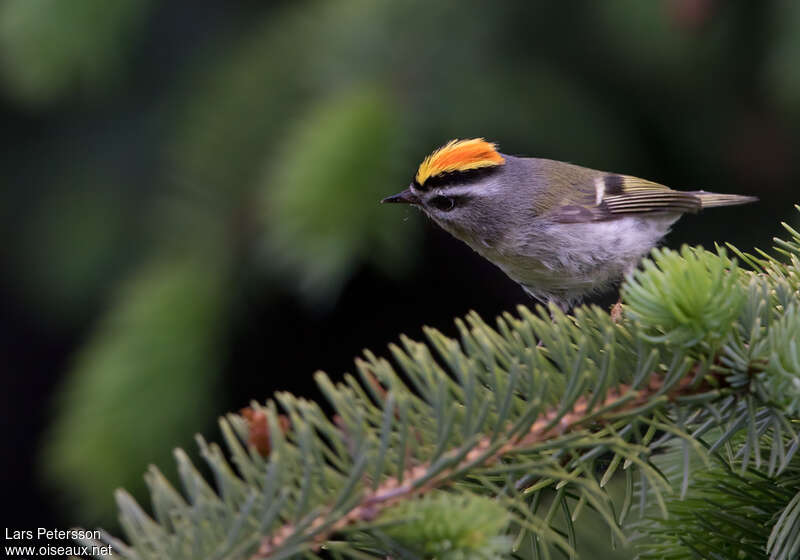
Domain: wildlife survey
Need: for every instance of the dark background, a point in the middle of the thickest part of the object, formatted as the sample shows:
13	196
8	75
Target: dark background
189	202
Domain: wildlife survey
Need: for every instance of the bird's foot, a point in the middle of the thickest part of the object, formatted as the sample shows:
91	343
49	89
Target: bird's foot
616	312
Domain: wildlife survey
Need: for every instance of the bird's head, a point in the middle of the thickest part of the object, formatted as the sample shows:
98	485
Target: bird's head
454	185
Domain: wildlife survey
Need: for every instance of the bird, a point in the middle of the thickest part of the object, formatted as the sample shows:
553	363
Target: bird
561	231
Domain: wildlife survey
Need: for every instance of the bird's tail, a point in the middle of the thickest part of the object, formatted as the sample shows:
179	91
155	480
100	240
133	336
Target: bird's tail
712	200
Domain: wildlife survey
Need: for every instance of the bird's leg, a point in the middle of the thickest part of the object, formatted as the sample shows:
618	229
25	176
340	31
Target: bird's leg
616	309
616	312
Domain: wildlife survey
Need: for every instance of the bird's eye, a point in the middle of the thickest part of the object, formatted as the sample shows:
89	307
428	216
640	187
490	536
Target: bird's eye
442	203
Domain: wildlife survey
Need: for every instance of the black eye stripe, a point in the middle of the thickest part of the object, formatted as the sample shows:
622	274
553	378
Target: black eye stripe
445	203
456	178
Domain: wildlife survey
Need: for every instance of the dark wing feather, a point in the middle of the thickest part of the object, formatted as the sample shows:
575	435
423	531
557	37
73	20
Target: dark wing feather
652	201
618	195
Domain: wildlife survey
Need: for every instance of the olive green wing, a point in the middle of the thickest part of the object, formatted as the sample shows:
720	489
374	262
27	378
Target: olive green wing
601	196
637	195
622	194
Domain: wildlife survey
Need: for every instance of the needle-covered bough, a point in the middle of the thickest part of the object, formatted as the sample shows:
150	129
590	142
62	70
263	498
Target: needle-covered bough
506	442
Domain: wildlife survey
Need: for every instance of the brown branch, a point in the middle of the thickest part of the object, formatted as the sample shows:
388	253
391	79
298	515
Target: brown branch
391	491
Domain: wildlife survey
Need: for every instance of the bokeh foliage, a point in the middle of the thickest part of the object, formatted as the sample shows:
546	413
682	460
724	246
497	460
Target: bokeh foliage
49	49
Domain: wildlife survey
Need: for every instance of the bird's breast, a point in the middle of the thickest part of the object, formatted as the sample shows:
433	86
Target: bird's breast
574	258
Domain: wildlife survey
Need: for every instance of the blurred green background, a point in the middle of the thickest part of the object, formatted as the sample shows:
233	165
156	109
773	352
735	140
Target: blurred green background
189	200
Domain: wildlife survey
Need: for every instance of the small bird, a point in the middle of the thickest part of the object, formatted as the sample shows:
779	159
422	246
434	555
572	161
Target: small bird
559	230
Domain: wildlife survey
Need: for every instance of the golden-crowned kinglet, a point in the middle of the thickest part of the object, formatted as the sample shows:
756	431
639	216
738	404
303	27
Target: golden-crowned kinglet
559	230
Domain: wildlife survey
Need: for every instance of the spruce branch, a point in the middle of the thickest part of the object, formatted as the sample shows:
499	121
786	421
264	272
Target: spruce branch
538	415
552	424
730	514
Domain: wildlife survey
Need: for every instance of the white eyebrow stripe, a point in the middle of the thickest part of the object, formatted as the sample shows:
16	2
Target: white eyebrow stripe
456	190
600	188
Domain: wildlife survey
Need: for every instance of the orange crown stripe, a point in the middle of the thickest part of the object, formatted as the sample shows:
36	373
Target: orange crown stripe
459	155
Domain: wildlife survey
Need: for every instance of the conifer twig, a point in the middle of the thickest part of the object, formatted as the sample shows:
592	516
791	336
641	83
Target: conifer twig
621	399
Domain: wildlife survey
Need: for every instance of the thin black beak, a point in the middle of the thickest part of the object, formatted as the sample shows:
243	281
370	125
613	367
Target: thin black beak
406	197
